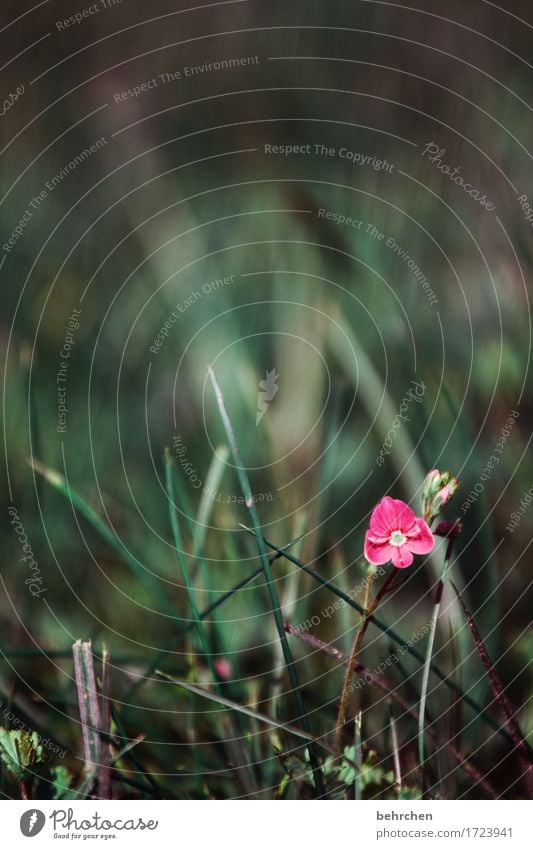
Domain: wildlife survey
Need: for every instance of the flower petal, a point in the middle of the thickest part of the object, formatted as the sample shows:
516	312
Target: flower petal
401	556
391	514
420	540
377	552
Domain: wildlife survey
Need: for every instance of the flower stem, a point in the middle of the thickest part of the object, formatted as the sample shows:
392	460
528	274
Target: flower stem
407	706
367	614
345	692
394	637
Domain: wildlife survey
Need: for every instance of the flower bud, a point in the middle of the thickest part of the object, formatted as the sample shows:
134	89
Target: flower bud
439	489
448	529
432	485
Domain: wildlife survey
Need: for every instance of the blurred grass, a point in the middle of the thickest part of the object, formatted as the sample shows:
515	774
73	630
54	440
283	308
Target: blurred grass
302	275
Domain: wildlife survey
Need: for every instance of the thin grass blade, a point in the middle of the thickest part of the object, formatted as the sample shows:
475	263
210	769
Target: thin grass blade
522	747
394	636
243	709
377	680
274	600
76	500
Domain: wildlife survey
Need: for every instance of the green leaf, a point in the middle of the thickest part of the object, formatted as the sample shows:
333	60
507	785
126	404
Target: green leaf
347	773
371	773
346	770
295	768
409	793
20	750
61	780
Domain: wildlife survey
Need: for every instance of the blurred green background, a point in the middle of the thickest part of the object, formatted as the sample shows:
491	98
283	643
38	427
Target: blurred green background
181	193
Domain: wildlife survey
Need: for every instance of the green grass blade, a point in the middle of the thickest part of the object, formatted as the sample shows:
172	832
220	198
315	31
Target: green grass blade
127	748
182	560
205	613
274	600
358	749
429	652
425	677
102	528
152	787
235	706
207	501
394	636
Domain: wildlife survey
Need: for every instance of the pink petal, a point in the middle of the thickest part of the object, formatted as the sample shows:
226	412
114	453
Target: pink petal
377	552
420	540
401	556
391	514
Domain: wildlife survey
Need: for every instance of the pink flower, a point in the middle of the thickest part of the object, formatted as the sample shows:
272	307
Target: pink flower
396	534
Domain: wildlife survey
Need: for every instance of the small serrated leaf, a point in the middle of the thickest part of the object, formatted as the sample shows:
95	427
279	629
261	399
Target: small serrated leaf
20	750
409	793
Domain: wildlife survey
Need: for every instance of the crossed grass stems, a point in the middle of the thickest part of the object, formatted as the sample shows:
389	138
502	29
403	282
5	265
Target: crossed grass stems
512	736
